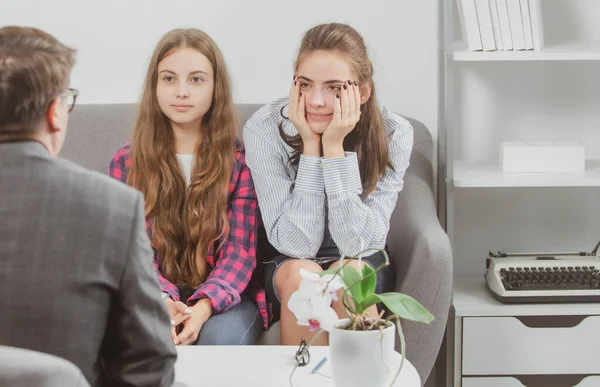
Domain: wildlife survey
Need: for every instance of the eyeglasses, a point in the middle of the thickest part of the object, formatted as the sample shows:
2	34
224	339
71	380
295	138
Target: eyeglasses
71	96
302	354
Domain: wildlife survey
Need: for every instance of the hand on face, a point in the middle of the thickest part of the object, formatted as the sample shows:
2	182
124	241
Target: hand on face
346	114
297	115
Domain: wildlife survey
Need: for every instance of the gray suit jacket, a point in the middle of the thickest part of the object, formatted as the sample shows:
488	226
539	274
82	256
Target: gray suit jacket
76	273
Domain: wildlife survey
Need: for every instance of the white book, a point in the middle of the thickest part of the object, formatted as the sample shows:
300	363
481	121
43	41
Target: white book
542	157
526	24
470	25
504	24
496	25
485	25
516	24
537	28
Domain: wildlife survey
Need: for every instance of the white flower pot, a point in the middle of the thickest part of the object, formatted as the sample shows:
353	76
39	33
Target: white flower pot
362	358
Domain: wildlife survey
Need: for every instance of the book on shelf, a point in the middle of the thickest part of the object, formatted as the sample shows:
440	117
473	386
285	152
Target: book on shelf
516	24
537	28
501	25
496	25
525	16
486	29
470	24
504	25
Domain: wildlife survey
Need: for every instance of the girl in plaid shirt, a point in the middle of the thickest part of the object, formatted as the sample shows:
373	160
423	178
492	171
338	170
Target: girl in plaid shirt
201	206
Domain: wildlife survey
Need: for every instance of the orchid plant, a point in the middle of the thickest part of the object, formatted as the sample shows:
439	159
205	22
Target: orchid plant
311	303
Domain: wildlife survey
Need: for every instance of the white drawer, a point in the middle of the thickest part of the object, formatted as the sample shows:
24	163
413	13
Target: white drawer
529	345
507	381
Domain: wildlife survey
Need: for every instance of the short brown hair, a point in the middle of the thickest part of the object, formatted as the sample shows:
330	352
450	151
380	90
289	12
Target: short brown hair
34	69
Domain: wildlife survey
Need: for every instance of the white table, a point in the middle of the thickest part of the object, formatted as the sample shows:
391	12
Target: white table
260	365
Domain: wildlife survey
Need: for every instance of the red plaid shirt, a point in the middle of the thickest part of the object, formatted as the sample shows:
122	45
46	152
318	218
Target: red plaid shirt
231	271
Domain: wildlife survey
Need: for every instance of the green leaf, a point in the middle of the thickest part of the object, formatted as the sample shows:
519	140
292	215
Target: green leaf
368	283
372	299
329	271
405	307
352	280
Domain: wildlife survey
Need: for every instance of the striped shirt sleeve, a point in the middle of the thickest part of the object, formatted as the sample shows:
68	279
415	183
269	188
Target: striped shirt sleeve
358	224
293	210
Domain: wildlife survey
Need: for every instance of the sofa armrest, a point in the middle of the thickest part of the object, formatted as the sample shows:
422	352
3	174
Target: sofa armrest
421	252
414	225
21	367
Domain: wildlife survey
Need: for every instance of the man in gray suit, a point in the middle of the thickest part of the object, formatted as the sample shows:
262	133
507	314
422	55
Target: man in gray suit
76	273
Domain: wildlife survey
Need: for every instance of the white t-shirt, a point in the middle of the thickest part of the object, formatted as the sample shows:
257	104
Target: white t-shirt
186	165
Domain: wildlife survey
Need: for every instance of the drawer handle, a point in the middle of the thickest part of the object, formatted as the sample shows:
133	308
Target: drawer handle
550	380
551	321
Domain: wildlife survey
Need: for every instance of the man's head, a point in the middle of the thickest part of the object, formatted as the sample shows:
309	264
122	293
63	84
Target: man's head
35	98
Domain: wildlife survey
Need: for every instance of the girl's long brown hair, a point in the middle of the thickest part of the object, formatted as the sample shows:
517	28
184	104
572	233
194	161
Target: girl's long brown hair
186	221
368	139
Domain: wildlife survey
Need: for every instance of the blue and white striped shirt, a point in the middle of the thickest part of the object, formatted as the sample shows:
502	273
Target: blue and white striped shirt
320	204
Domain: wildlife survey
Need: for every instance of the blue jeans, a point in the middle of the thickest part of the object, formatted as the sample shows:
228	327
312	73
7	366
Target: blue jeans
240	325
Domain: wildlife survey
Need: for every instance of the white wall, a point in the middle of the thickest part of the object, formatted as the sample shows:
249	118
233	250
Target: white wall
258	38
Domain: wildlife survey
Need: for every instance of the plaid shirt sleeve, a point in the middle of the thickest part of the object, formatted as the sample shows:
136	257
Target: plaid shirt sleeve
166	286
236	259
119	164
118	169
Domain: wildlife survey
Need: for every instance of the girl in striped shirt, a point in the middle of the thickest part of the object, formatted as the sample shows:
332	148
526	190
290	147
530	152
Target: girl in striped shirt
327	162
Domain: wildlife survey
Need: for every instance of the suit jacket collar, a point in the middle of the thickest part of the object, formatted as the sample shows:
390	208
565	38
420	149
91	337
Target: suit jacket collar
23	148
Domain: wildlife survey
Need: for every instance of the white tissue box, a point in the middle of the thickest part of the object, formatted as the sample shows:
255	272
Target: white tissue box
542	157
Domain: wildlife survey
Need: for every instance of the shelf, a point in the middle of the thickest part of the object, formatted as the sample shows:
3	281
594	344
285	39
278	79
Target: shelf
472	299
576	51
489	174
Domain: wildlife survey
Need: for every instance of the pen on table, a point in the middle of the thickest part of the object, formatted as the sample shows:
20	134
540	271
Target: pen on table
319	365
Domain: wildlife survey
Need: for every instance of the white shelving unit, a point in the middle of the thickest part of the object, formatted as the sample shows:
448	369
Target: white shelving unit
482	175
565	51
491	344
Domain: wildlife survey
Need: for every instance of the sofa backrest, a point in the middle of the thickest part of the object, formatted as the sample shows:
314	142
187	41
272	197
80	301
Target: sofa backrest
97	131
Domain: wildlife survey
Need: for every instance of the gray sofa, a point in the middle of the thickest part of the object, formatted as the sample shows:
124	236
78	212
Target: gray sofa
26	368
418	245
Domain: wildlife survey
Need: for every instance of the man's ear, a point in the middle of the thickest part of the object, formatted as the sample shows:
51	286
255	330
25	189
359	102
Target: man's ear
52	117
365	92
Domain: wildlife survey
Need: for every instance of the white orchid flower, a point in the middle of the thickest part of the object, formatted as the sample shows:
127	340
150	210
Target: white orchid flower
327	283
311	303
312	308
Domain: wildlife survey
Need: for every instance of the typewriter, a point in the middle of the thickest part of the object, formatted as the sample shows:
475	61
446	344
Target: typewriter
544	277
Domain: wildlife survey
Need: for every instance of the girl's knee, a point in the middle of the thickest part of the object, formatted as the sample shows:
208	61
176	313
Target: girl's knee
288	277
